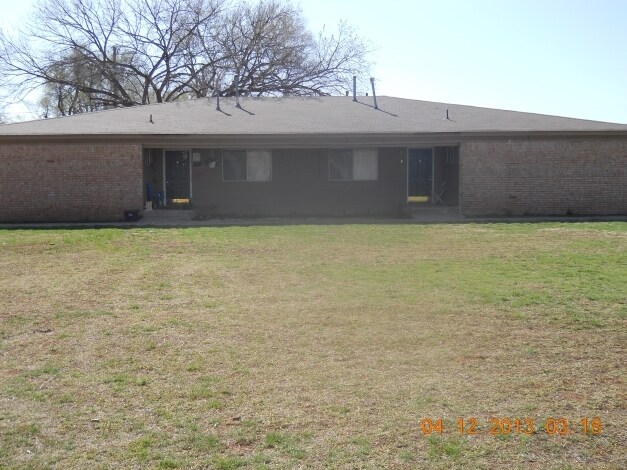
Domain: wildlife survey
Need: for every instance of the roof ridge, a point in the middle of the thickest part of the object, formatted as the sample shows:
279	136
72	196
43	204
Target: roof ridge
265	115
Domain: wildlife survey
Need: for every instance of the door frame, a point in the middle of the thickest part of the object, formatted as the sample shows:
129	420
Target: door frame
432	148
189	160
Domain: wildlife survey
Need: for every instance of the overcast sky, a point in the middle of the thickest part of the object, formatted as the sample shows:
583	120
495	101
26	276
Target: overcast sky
560	57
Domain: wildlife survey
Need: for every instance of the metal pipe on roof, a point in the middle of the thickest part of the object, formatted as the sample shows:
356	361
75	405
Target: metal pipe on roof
237	91
354	87
374	95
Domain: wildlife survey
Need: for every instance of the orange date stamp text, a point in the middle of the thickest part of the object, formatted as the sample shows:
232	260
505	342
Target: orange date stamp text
504	426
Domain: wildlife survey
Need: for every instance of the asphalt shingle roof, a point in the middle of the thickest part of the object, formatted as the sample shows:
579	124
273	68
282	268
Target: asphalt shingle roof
297	115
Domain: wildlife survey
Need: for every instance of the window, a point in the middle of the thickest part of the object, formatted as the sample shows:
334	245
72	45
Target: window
259	165
341	164
365	165
234	165
247	165
354	165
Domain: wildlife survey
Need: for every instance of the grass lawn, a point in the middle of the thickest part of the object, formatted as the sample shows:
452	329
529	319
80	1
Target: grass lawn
312	346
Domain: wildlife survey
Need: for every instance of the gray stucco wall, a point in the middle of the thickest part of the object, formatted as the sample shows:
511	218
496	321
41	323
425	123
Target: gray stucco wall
300	186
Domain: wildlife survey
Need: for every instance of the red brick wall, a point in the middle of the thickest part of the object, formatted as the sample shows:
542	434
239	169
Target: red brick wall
69	182
544	177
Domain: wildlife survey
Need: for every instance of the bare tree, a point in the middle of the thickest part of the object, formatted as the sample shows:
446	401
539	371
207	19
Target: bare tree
270	51
62	99
93	54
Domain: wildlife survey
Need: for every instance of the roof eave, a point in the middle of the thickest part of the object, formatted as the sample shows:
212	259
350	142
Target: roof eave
304	140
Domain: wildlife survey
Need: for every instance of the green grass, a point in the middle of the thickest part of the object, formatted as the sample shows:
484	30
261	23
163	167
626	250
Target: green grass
311	346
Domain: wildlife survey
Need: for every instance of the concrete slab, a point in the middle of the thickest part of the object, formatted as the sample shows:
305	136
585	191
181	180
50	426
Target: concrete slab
169	222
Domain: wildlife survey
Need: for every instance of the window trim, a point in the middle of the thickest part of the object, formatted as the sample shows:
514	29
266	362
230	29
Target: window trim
247	150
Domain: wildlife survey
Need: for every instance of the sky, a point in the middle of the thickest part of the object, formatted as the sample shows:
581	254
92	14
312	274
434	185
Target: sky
558	57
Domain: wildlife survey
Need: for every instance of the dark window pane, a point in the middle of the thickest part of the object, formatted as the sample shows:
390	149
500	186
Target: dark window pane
234	165
341	164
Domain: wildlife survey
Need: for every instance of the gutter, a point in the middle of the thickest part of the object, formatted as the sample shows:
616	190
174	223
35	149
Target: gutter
306	140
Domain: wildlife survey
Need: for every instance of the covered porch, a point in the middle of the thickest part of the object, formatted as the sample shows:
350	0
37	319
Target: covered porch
167	178
433	176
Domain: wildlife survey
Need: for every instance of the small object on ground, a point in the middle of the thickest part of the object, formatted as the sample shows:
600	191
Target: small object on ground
43	330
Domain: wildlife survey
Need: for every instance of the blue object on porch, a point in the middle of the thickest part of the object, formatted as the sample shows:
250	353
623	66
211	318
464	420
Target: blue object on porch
159	199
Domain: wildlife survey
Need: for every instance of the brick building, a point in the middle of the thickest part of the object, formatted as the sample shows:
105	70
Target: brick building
310	156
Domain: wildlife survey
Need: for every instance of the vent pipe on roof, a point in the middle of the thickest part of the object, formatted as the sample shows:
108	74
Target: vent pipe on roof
354	87
374	95
151	121
448	117
237	91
